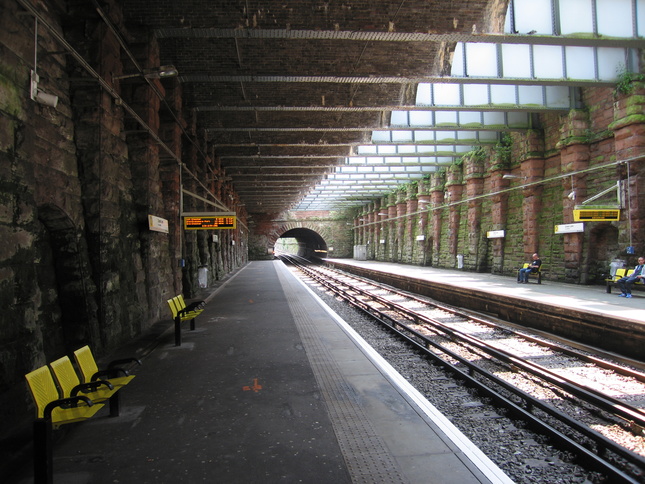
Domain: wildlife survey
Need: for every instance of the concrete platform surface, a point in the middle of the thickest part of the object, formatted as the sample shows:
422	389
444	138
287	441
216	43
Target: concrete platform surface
588	298
270	387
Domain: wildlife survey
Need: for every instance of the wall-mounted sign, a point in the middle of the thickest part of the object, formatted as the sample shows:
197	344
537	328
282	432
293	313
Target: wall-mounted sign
596	215
157	224
496	234
569	228
204	222
421	237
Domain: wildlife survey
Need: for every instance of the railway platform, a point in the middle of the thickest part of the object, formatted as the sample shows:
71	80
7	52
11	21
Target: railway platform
584	313
270	387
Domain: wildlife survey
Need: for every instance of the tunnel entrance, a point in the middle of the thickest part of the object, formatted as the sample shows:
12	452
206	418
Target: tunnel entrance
302	242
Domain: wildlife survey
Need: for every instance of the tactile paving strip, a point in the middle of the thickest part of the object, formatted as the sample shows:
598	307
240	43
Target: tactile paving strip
366	455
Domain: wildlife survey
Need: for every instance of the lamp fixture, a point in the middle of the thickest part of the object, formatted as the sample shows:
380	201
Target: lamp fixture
572	195
157	73
382	214
511	177
35	93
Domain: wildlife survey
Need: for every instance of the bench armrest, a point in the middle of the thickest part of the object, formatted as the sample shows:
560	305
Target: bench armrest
195	305
65	403
109	373
117	363
90	387
186	312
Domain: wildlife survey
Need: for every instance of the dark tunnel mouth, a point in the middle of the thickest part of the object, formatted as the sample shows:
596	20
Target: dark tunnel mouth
310	243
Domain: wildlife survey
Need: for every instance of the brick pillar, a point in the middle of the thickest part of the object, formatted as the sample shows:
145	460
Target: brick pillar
437	197
373	231
499	212
454	192
474	175
424	202
574	156
532	171
629	139
392	230
409	235
401	223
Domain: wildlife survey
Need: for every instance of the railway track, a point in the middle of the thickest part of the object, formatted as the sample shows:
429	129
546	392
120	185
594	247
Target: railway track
586	405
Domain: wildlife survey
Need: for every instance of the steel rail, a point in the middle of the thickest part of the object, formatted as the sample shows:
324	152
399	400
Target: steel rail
590	395
602	442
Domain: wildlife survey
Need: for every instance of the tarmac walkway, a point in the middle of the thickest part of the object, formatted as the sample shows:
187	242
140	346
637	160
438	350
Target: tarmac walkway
270	387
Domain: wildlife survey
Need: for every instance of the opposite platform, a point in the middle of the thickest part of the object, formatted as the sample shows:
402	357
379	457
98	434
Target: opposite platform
270	387
581	313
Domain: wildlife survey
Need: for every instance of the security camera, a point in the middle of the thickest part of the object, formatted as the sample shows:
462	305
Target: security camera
572	195
47	99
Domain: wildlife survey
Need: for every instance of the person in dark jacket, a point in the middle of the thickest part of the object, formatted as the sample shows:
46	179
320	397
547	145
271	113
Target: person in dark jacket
534	266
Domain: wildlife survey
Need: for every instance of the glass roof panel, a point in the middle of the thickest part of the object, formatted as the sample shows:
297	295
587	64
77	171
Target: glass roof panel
576	17
446	94
547	62
425	136
457	68
533	15
519	120
612	16
558	97
580	63
366	149
475	94
494	119
503	94
420	118
384	149
380	136
470	118
424	94
516	60
481	60
399	118
531	95
610	62
401	135
446	118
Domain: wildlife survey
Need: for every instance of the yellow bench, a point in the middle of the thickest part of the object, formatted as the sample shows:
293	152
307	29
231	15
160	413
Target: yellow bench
537	274
52	412
70	385
620	273
115	373
182	312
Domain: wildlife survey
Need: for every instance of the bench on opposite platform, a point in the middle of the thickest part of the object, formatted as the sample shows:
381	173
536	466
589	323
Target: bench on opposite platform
535	275
620	273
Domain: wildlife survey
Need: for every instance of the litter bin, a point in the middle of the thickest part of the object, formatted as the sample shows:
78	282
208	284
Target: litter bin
202	276
615	265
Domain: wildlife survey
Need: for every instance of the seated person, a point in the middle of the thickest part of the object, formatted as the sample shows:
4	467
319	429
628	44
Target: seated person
626	283
523	274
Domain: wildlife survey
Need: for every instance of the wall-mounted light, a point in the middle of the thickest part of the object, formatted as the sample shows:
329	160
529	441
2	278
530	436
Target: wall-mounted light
511	177
382	214
161	72
39	95
35	93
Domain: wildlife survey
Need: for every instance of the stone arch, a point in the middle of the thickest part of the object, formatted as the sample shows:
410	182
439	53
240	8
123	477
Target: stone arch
310	237
72	274
603	248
